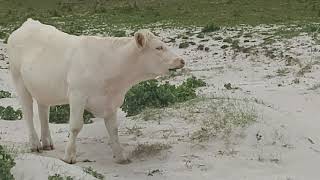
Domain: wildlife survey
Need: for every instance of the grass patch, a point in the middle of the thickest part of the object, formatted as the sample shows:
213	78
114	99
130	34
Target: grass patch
305	69
282	71
216	117
285	33
220	117
90	170
312	28
6	163
135	130
314	87
151	94
60	114
5	94
59	177
8	113
210	28
146	149
85	14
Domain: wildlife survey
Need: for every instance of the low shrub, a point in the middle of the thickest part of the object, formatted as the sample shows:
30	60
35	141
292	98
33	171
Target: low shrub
6	163
4	94
152	94
60	114
8	113
210	28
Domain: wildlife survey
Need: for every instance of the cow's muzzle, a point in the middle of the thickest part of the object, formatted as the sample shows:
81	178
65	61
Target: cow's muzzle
179	63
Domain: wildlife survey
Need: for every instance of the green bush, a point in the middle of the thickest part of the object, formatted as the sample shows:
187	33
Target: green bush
6	163
210	28
5	94
60	114
8	113
152	94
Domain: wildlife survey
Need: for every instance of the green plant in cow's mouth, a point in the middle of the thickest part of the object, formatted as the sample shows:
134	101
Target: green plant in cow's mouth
154	95
60	114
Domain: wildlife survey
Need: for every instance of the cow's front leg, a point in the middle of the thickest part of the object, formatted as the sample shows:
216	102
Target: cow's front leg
77	103
112	127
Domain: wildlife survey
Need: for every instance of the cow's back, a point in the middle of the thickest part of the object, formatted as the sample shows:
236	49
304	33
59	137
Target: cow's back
40	54
34	38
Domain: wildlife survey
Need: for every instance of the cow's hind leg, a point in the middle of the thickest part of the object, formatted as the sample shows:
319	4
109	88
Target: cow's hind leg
77	103
45	131
27	110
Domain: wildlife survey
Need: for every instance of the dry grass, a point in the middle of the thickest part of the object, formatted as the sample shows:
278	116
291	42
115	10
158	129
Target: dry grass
282	71
219	117
135	130
147	150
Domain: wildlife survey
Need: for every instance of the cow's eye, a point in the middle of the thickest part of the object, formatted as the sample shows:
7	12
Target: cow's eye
159	48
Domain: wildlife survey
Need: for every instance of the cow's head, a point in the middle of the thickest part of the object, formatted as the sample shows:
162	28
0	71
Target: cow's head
156	57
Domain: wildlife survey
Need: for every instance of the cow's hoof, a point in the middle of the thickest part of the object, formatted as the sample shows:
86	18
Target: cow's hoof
123	161
36	149
36	146
69	159
48	147
47	144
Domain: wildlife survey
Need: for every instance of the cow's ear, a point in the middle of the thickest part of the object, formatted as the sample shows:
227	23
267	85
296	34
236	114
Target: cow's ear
140	39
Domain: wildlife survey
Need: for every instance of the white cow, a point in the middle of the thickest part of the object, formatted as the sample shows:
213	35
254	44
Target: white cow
88	72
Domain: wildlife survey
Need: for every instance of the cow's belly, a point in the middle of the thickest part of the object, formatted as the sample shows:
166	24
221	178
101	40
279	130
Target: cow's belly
102	106
46	82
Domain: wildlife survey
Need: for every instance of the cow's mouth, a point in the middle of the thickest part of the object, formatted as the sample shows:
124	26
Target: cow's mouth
173	69
176	68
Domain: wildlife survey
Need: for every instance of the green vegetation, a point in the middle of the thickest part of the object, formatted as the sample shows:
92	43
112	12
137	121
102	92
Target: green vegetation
94	173
60	114
6	163
59	177
216	116
151	94
4	94
183	45
8	113
210	28
118	33
100	16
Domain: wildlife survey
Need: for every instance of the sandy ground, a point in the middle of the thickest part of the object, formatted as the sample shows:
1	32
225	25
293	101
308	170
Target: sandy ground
288	125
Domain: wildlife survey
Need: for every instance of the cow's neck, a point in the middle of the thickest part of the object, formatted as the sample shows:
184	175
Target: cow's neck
132	71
